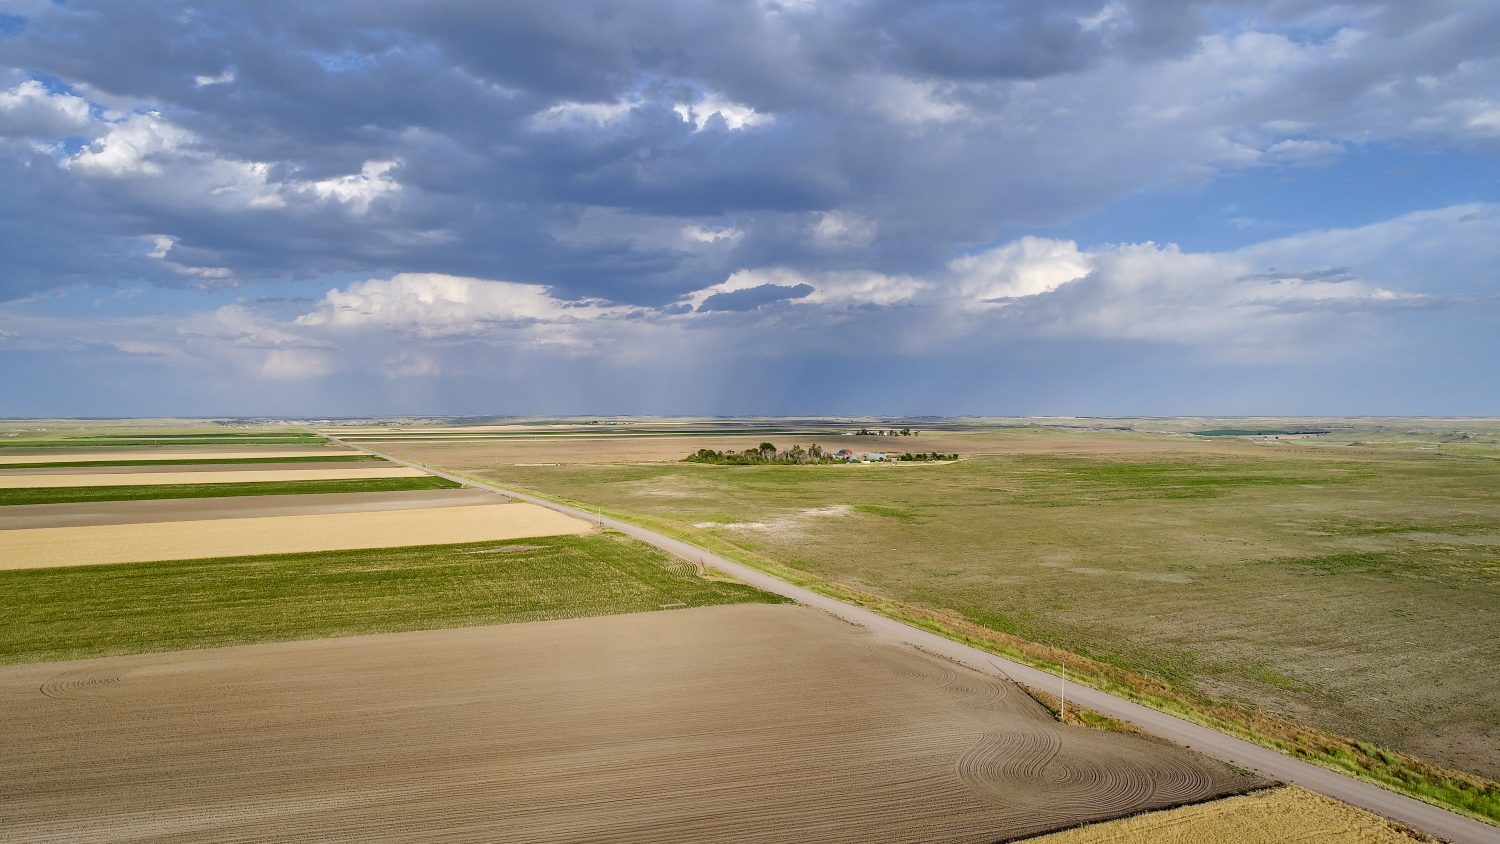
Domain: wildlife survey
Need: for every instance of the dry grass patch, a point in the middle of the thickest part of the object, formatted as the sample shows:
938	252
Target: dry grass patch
1274	816
134	543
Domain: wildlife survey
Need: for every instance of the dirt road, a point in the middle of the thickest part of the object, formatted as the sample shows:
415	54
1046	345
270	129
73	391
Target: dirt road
1431	819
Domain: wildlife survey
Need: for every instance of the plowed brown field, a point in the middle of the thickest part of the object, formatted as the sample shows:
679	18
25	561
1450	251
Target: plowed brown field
727	724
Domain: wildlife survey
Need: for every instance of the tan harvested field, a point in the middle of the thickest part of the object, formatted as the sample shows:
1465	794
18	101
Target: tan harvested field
1276	816
33	480
52	455
205	466
137	543
238	507
745	723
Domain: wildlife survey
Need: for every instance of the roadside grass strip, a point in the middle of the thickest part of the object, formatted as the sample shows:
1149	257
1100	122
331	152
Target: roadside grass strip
68	495
72	613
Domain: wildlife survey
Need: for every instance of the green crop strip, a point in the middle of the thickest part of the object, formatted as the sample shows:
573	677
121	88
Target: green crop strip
68	495
89	611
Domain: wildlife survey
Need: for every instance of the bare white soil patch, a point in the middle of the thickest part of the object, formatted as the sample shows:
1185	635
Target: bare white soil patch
726	725
795	520
136	543
83	479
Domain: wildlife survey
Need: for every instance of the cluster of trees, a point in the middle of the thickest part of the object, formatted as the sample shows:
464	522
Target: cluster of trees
764	453
886	432
796	455
925	455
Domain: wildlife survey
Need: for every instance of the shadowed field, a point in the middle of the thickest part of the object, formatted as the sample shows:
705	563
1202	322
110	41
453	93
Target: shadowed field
730	724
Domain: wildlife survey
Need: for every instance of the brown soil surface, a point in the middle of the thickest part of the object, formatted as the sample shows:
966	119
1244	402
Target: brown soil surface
729	724
238	507
26	548
1276	816
33	480
53	455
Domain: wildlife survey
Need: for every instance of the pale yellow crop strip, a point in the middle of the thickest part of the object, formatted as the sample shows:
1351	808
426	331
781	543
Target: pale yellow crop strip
153	454
226	477
135	543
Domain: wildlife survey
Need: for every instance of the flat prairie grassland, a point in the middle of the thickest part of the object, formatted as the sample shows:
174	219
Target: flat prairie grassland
89	611
1354	589
67	495
1272	816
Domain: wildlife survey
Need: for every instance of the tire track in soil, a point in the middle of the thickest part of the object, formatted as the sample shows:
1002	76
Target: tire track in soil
746	723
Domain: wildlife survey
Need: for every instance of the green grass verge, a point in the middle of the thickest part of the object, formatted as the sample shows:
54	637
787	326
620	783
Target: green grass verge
90	611
69	495
194	461
1459	791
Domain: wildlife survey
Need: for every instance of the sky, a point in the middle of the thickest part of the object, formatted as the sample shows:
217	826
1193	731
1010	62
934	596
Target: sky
749	207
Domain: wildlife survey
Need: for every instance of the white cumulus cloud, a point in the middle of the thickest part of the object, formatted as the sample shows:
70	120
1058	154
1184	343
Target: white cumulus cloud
29	110
435	305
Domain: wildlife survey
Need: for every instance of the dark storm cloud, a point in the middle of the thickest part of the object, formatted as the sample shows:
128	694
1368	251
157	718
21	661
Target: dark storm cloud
933	126
750	298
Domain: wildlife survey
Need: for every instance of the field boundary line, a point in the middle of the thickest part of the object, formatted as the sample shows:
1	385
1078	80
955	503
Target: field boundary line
1425	817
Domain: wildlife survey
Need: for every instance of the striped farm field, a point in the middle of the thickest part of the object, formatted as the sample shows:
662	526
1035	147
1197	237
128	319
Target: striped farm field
207	455
728	724
192	461
87	479
95	611
150	492
26	548
166	441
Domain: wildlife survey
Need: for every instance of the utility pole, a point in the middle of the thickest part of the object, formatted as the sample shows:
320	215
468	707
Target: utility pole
1064	708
